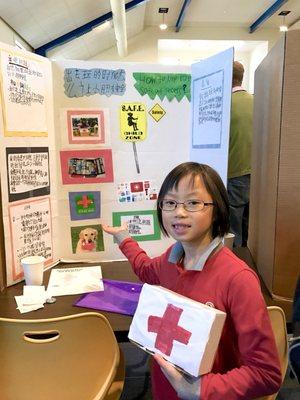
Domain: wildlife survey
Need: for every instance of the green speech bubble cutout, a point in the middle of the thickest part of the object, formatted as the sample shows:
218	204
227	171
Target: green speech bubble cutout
163	85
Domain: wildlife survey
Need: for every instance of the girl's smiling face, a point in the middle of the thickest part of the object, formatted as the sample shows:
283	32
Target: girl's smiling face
192	228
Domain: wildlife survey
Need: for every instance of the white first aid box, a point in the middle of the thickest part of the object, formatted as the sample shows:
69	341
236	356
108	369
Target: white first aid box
184	331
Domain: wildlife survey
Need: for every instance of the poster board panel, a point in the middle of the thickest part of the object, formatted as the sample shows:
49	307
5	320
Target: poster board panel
85	147
287	268
265	153
27	154
137	165
211	102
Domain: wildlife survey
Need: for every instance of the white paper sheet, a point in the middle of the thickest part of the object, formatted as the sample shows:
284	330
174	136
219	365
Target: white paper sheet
33	298
75	280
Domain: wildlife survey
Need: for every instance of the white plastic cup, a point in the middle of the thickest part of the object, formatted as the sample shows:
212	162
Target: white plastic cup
33	268
228	240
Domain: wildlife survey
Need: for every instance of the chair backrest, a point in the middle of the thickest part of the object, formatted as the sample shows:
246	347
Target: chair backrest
278	323
67	358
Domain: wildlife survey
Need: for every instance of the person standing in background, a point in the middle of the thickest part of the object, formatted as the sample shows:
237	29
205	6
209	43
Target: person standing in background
239	158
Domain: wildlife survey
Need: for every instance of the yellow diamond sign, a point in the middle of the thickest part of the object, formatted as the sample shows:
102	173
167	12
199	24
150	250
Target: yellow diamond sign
157	112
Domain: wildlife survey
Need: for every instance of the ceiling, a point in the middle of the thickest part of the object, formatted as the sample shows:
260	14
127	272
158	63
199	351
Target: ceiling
39	22
241	13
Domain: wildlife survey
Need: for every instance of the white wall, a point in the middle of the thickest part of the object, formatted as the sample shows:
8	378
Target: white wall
8	36
256	58
244	58
143	47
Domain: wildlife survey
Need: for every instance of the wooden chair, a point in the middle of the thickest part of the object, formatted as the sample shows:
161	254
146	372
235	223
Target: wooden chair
74	357
278	323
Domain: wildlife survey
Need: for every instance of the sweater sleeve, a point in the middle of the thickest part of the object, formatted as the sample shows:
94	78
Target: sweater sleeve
259	373
146	268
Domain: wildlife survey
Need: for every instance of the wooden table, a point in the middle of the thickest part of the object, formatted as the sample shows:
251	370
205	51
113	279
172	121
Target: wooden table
119	270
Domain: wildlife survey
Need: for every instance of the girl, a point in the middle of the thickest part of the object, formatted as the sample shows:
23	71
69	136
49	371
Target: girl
193	208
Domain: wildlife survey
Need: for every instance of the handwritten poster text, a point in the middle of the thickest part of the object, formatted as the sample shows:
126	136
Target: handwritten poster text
86	82
31	232
208	108
24	94
163	85
28	172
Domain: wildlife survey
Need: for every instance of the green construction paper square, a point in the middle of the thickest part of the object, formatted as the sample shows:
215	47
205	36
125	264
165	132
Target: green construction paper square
116	217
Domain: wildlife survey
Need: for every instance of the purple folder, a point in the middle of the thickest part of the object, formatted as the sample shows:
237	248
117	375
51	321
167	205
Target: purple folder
118	296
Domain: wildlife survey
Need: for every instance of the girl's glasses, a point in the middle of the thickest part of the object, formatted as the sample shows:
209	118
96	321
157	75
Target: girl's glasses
189	205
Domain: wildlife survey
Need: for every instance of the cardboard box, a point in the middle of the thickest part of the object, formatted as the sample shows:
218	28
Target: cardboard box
274	226
185	332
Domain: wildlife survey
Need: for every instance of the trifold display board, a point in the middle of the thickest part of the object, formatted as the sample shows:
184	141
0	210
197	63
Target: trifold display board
85	143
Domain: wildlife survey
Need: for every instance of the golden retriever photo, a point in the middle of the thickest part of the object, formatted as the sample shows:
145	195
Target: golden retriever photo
87	241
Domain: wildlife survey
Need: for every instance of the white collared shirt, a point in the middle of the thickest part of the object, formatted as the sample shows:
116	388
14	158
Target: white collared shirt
177	252
238	89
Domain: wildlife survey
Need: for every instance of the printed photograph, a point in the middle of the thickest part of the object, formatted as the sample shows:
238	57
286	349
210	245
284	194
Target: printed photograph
86	166
86	126
87	239
130	192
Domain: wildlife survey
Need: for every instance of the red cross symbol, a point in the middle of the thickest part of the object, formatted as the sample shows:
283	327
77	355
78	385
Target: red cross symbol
84	202
167	329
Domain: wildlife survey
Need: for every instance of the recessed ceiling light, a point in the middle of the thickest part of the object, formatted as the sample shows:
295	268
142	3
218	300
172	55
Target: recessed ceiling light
163	10
163	27
283	28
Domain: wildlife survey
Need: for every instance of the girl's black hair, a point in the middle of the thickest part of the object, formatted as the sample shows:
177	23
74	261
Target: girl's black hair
214	186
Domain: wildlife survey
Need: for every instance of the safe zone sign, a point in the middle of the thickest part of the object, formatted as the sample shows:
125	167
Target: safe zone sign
133	122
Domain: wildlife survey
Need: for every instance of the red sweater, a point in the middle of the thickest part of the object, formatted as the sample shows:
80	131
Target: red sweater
247	364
